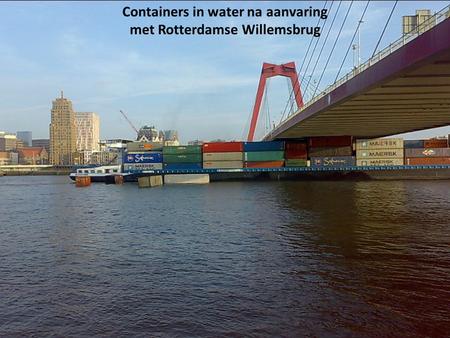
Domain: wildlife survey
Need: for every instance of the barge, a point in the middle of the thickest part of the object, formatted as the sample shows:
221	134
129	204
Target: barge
406	172
335	157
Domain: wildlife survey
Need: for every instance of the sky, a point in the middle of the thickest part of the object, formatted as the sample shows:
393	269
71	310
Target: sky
202	86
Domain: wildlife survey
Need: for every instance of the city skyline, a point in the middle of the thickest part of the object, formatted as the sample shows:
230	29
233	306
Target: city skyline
207	94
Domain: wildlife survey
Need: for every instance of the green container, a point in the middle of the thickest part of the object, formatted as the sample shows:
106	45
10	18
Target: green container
296	163
256	156
182	158
182	150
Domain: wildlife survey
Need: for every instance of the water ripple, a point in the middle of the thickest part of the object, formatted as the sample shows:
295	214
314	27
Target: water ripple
251	259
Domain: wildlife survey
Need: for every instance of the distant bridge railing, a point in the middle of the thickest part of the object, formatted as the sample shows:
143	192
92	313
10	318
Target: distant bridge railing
431	22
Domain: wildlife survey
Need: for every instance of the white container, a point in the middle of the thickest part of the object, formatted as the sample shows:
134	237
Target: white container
228	156
380	162
186	179
379	143
142	166
379	153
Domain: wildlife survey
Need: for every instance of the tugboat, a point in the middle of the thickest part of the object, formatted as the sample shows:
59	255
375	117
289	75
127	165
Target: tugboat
104	173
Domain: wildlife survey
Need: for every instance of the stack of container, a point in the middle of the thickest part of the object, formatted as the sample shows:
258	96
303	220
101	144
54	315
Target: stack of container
143	156
264	154
379	152
142	161
182	157
223	155
331	151
296	154
434	151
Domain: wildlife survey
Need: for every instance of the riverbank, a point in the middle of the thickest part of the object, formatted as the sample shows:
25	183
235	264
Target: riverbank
33	171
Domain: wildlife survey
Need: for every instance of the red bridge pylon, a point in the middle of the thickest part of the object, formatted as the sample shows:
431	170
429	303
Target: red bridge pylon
270	70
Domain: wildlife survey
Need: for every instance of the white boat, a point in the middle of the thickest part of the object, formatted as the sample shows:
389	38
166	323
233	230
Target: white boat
99	174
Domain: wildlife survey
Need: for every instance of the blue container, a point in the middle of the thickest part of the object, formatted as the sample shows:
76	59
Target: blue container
413	144
336	161
183	166
150	157
264	146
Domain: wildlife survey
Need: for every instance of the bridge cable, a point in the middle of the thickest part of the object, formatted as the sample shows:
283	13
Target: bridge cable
312	38
332	49
351	42
261	125
289	101
323	45
247	124
303	63
289	89
315	46
384	29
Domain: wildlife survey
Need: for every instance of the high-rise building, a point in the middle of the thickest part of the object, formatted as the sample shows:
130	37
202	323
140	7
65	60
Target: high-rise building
26	137
419	23
42	142
106	157
148	134
63	133
88	131
170	135
8	142
20	144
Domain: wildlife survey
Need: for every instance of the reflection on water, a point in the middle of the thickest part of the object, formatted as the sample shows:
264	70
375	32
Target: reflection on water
225	259
384	245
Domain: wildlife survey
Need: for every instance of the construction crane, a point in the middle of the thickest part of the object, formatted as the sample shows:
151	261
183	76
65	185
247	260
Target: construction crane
130	123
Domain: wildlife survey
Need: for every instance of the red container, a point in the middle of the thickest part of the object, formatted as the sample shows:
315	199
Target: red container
296	150
330	151
223	147
330	141
296	154
435	143
264	164
427	160
295	146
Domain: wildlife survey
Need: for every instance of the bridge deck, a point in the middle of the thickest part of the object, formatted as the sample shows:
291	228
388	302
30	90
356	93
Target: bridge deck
405	91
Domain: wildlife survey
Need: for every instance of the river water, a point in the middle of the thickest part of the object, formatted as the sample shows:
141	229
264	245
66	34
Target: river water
228	259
